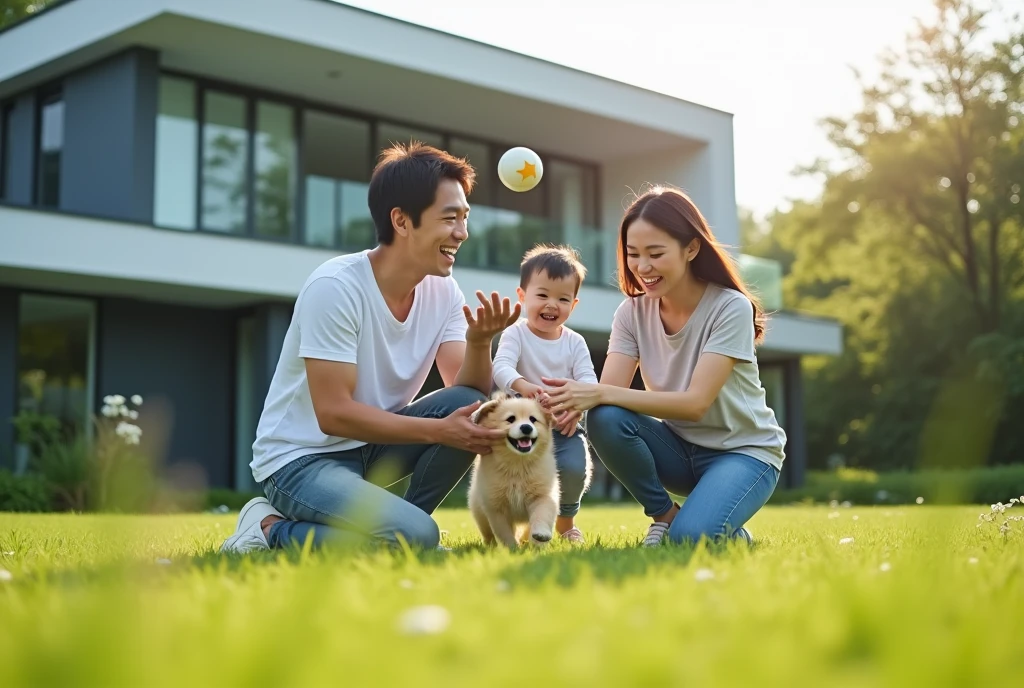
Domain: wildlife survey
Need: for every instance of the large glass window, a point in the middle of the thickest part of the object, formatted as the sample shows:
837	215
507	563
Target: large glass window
4	147
275	170
389	134
482	216
336	157
55	358
572	206
51	143
225	161
176	142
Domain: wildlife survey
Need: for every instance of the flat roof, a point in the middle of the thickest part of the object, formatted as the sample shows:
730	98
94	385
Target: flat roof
58	3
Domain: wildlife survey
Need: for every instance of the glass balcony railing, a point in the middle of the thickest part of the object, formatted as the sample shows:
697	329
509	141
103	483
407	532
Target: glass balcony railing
499	238
764	278
337	217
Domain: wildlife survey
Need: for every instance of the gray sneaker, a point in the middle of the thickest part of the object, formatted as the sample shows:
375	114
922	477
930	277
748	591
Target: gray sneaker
248	535
655	534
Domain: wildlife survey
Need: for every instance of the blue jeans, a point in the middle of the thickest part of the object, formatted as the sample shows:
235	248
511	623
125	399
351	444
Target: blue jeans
573	463
724	488
338	496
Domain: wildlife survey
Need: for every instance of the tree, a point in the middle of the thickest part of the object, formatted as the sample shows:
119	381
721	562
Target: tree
15	10
933	146
917	246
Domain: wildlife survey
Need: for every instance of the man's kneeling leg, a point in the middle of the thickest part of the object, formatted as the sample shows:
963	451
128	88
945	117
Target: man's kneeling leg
436	469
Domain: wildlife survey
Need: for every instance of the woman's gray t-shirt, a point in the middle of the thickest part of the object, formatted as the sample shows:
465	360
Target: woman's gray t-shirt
739	420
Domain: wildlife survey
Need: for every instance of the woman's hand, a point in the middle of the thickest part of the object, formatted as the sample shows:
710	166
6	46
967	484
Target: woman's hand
569	395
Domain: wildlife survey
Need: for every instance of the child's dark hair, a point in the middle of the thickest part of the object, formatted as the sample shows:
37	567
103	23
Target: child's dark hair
558	261
407	177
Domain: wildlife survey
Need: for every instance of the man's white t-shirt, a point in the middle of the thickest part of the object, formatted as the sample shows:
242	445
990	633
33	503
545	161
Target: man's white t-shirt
340	315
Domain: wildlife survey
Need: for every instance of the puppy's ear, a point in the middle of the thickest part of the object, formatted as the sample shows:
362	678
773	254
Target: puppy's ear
485	409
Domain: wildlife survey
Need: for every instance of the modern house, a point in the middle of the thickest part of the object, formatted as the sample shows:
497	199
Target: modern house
172	170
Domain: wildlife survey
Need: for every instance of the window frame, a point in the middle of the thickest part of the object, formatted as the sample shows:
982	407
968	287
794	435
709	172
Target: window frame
299	106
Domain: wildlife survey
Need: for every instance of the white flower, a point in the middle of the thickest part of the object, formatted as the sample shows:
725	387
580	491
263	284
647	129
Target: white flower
845	541
425	620
855	517
919	500
109	400
117	400
131	434
701	575
109	411
5	576
885	566
137	400
134	415
846	505
833	514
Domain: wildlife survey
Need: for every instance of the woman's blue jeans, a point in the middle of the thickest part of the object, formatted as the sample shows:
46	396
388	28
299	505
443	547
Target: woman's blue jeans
724	488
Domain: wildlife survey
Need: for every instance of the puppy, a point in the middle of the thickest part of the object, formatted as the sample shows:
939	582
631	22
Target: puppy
514	490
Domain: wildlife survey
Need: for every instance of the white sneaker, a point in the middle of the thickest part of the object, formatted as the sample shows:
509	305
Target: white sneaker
655	534
248	534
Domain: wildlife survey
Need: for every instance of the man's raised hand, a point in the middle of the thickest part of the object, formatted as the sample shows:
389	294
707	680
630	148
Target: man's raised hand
492	317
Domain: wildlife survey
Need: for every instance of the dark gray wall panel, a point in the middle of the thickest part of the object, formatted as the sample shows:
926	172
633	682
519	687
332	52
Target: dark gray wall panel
180	359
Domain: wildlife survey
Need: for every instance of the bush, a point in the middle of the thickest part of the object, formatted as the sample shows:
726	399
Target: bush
969	486
23	492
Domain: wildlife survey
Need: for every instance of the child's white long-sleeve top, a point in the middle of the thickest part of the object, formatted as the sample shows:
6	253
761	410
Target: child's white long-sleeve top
522	354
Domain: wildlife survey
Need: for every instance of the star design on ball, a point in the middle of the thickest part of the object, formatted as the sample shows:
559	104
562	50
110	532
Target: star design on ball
529	170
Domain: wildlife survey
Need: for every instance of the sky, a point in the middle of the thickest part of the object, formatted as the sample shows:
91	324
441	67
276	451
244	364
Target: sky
779	66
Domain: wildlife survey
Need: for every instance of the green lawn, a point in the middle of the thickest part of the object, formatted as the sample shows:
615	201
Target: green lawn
920	597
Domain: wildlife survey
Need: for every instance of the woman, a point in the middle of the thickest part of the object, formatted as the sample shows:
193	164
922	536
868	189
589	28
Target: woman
702	426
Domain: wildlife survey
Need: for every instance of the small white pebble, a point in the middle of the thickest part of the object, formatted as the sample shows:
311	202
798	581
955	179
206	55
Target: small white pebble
833	514
426	620
164	562
701	575
5	575
502	586
885	566
405	583
972	560
919	500
845	540
855	517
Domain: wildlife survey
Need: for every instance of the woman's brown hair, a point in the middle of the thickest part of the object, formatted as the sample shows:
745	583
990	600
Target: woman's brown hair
672	211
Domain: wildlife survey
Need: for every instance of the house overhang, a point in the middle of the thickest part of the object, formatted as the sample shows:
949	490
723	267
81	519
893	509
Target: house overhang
322	51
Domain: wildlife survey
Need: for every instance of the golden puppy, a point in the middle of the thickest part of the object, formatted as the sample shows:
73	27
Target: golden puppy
517	484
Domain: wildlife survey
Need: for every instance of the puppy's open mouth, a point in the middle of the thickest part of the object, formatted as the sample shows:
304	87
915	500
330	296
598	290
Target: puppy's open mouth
522	445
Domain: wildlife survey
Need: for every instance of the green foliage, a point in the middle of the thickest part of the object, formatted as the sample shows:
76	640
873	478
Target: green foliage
23	492
12	11
917	247
974	486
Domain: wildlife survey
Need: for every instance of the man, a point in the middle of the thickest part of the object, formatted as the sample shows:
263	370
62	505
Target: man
366	329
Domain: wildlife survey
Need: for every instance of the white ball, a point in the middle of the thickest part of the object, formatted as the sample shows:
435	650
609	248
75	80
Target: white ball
520	169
